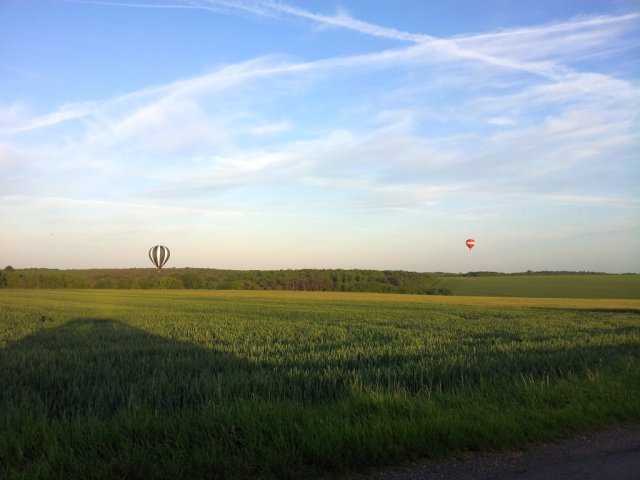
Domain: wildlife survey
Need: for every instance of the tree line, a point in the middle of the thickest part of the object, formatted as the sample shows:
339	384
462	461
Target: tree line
332	280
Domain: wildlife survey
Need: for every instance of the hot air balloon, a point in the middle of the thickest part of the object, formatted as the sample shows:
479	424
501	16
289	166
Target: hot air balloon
470	243
159	255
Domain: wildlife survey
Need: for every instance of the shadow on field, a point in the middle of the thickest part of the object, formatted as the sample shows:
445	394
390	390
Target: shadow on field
102	367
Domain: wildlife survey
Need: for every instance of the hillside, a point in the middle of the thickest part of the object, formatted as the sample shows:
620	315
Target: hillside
559	286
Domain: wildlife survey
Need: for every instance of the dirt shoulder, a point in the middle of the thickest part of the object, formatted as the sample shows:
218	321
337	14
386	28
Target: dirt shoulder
613	454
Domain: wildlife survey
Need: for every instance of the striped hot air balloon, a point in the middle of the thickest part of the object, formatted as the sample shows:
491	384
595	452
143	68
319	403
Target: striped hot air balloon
159	255
470	243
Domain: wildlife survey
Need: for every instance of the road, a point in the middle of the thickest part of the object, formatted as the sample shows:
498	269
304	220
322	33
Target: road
613	454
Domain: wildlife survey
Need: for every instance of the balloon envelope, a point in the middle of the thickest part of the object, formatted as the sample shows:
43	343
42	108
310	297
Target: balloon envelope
159	255
471	243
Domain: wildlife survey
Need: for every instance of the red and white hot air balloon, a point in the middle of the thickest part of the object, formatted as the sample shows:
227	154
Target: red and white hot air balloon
470	243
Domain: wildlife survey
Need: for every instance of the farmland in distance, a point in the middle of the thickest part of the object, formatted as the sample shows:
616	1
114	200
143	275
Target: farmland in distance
562	286
214	384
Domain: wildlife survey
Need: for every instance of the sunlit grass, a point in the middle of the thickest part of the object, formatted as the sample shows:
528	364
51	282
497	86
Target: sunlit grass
200	384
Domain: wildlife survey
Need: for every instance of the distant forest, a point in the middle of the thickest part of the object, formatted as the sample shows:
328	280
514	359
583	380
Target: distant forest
385	281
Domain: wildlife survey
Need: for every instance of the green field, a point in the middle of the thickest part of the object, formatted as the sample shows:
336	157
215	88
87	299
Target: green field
232	385
550	286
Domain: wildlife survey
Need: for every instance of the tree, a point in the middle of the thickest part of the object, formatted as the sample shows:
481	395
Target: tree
170	283
192	280
103	283
124	283
141	282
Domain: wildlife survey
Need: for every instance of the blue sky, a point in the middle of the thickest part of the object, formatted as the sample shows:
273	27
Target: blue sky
321	134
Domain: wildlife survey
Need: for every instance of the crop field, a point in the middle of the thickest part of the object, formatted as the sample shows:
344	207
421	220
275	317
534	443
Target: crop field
233	385
562	286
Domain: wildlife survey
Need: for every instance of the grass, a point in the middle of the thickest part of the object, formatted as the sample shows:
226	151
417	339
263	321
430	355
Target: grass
561	286
198	384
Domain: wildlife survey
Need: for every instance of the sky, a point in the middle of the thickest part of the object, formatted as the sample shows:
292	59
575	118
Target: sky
259	134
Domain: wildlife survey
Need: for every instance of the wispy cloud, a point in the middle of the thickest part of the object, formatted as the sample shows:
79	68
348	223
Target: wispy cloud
517	51
570	40
488	48
50	202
